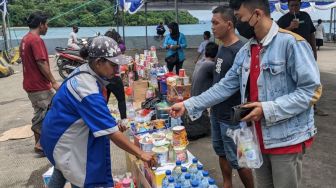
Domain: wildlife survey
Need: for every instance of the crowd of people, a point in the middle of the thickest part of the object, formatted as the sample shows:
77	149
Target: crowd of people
274	73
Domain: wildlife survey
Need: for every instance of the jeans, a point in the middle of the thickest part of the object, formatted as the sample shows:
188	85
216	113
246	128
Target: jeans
223	145
57	180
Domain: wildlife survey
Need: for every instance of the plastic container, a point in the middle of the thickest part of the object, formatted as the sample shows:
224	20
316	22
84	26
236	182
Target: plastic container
171	182
177	172
180	136
161	154
184	172
194	184
199	174
126	183
187	181
212	183
180	154
146	146
165	181
193	168
205	181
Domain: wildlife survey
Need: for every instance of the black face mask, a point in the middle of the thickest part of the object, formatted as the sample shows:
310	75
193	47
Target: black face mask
245	29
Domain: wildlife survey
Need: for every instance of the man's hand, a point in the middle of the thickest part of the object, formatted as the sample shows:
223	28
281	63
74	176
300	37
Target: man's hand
256	114
148	158
55	85
177	110
294	24
122	125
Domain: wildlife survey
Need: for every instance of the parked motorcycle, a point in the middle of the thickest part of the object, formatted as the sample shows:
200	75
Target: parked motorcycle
68	60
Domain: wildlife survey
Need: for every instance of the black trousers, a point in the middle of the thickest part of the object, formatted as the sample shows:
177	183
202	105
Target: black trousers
117	88
177	66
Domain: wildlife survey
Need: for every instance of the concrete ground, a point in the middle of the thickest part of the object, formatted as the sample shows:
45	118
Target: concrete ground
20	167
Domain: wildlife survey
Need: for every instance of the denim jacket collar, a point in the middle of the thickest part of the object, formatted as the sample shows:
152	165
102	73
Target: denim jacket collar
268	38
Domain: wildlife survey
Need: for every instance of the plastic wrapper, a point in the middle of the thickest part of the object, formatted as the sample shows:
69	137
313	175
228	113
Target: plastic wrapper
248	149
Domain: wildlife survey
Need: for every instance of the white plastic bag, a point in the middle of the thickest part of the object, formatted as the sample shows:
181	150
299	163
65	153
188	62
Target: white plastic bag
248	149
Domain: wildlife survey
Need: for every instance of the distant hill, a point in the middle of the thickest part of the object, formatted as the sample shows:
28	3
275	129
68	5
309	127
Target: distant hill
88	13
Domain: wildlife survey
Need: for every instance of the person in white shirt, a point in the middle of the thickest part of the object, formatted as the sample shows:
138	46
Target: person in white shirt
201	48
319	34
73	41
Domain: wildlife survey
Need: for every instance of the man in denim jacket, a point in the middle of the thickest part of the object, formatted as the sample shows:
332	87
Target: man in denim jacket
276	72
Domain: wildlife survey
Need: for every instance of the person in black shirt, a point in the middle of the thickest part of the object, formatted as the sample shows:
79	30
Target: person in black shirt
299	22
223	27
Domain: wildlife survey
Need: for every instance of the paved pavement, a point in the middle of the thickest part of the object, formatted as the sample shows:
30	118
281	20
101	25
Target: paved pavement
20	167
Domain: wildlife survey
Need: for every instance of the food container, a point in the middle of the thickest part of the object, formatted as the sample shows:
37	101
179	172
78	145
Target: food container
180	136
180	154
182	73
171	81
185	80
159	123
146	144
161	154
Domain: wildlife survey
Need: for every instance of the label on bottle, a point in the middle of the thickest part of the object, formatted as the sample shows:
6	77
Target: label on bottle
250	154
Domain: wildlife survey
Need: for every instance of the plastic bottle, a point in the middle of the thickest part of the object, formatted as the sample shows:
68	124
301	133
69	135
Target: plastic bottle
249	148
177	172
178	185
165	181
194	184
193	168
199	174
212	183
182	177
130	111
205	181
171	182
186	183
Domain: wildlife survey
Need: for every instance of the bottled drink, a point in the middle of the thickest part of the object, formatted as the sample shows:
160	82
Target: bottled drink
186	183
130	111
212	183
178	185
171	182
182	177
193	168
177	172
165	181
249	148
194	184
199	174
205	180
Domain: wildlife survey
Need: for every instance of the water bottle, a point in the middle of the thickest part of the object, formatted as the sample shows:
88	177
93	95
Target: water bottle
182	177
194	184
171	183
177	172
186	183
193	168
178	185
165	181
199	174
205	180
249	148
212	183
130	111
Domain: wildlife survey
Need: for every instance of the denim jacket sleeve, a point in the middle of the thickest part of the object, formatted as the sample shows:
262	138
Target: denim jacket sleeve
219	92
303	69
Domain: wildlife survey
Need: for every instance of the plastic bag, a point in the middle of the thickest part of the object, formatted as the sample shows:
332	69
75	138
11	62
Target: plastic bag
248	149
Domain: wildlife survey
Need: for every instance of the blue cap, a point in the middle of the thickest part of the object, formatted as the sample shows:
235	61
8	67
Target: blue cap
205	173
171	179
187	176
195	160
184	169
194	183
178	185
212	181
168	172
178	163
199	167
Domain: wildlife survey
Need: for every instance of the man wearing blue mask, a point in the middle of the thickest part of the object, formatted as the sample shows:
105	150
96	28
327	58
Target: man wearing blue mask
277	74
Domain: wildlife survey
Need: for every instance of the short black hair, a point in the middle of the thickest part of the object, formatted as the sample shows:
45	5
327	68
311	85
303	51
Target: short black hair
211	50
36	18
293	0
319	21
207	34
226	12
252	4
